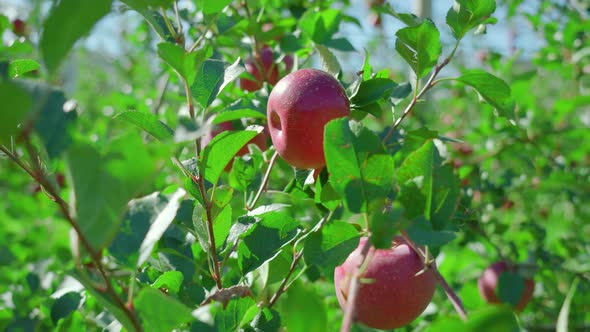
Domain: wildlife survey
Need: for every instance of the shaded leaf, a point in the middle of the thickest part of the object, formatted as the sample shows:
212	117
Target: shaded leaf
65	305
329	247
212	78
67	22
492	89
16	103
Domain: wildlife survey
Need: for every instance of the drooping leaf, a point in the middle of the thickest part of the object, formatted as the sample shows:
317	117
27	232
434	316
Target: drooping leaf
159	312
492	89
212	78
148	122
510	287
159	226
371	91
237	313
465	15
68	21
420	46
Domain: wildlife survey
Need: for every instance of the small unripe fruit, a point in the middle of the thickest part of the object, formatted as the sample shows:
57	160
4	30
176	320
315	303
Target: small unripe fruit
488	284
19	27
262	68
390	295
299	107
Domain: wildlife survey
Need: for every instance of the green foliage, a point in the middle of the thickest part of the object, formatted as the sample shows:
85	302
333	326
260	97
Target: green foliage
190	236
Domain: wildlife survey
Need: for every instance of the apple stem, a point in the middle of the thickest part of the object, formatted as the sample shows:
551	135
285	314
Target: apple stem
431	264
264	182
353	289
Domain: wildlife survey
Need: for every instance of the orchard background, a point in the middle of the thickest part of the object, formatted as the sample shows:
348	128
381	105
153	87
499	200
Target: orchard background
468	135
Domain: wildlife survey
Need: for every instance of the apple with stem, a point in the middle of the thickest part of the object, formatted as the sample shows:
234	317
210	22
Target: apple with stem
298	109
395	287
490	278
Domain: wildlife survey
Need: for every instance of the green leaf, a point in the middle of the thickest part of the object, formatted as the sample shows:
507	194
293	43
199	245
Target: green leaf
492	89
212	78
266	320
562	319
371	91
170	280
359	171
159	226
222	149
492	319
340	44
263	240
238	115
465	15
329	62
320	26
186	64
330	247
384	223
421	232
148	122
65	305
67	22
16	104
302	310
510	287
211	7
19	67
237	313
420	46
427	187
103	183
221	225
159	312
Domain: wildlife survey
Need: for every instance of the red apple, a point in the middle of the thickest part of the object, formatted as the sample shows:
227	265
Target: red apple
263	68
393	295
19	27
259	140
298	109
488	284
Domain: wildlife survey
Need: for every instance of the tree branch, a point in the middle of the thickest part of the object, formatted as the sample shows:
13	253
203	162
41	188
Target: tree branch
431	264
353	289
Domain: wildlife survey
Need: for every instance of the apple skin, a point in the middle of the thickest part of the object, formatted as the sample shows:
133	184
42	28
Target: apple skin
270	73
259	140
298	109
488	284
394	296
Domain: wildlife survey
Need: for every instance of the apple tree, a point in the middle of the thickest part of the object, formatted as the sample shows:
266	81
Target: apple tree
289	165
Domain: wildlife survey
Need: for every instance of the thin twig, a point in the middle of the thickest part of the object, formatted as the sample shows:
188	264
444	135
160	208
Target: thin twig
282	287
264	182
353	289
431	264
203	34
429	84
38	176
